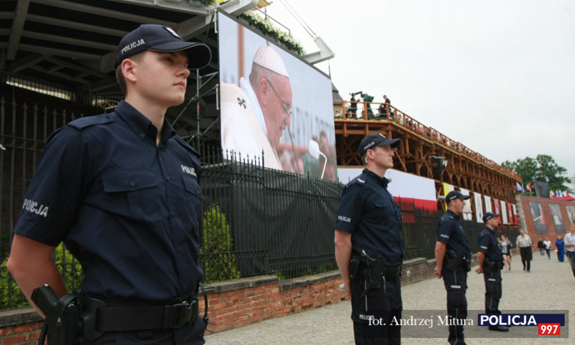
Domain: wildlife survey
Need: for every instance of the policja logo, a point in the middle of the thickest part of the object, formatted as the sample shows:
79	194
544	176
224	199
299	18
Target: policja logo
133	45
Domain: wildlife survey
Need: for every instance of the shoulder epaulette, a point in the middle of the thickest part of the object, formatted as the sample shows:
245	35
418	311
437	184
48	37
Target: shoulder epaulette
187	146
88	121
359	180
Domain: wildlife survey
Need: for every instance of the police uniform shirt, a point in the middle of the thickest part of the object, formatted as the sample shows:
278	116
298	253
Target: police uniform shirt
451	233
488	245
368	211
126	208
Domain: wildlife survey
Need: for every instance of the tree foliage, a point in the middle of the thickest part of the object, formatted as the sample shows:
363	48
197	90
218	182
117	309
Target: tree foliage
66	264
217	248
542	168
266	27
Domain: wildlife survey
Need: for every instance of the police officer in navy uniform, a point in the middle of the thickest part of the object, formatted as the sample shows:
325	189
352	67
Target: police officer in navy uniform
490	261
453	258
369	245
122	191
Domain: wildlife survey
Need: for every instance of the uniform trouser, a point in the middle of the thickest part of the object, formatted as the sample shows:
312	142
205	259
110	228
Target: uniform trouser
190	335
456	285
381	306
526	257
493	289
571	256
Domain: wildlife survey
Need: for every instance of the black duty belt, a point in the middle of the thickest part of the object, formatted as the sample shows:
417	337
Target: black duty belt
139	318
391	271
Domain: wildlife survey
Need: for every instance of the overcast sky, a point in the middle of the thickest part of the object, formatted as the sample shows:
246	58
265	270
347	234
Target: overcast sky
498	76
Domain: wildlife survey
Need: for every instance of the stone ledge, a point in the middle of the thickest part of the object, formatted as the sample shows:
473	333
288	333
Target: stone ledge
289	284
241	283
17	317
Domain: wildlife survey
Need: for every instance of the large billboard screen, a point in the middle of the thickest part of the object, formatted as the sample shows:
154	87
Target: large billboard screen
273	104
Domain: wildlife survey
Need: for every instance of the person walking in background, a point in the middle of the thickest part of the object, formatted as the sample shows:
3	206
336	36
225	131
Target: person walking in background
570	245
505	246
541	247
547	246
560	244
523	245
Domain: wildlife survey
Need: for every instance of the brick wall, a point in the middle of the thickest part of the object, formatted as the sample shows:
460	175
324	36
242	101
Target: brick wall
27	333
551	231
239	302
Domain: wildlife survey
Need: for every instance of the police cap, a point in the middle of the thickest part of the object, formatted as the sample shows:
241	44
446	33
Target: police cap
161	38
374	140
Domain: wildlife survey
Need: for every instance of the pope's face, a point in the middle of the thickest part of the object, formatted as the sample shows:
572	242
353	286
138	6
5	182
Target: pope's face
277	107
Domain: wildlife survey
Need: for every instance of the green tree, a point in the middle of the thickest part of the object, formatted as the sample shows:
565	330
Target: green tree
542	168
70	269
526	168
549	171
217	248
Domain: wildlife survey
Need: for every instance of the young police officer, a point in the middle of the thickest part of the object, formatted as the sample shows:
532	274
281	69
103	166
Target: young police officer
490	261
369	245
122	191
453	257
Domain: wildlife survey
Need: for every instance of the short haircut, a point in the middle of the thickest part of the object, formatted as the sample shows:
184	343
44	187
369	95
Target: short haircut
120	76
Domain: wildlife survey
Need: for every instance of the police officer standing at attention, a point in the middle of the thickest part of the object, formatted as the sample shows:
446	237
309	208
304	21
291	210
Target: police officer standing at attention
453	257
369	245
122	191
490	261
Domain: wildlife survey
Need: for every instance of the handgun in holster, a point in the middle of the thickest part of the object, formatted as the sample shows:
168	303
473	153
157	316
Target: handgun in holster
372	272
453	260
62	316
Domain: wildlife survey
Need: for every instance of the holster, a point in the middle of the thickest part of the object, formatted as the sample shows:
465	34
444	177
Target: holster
374	271
454	261
62	316
354	268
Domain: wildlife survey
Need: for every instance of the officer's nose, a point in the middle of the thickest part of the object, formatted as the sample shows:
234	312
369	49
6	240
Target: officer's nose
185	72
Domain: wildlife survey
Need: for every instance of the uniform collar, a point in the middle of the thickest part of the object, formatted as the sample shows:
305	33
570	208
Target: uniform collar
491	231
141	125
381	180
453	214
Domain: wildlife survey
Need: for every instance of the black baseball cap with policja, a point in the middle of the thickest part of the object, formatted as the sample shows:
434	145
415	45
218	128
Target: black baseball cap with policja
161	38
374	140
489	215
455	195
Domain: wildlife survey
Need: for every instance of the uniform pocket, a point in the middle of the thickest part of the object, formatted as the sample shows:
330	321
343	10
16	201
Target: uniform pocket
193	199
140	188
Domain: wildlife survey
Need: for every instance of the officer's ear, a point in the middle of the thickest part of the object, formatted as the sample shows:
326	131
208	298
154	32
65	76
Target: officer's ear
129	70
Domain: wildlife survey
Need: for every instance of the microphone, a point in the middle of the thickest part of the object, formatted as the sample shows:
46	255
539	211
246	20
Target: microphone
314	151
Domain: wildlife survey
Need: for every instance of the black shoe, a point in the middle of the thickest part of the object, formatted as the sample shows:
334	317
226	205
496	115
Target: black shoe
499	328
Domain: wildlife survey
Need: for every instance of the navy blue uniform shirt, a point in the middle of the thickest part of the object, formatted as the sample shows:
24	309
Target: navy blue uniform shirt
368	211
126	208
450	231
488	245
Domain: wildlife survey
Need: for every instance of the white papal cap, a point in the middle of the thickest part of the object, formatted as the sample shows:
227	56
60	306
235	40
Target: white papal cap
269	58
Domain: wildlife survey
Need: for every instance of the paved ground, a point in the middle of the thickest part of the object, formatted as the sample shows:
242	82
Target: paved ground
549	286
